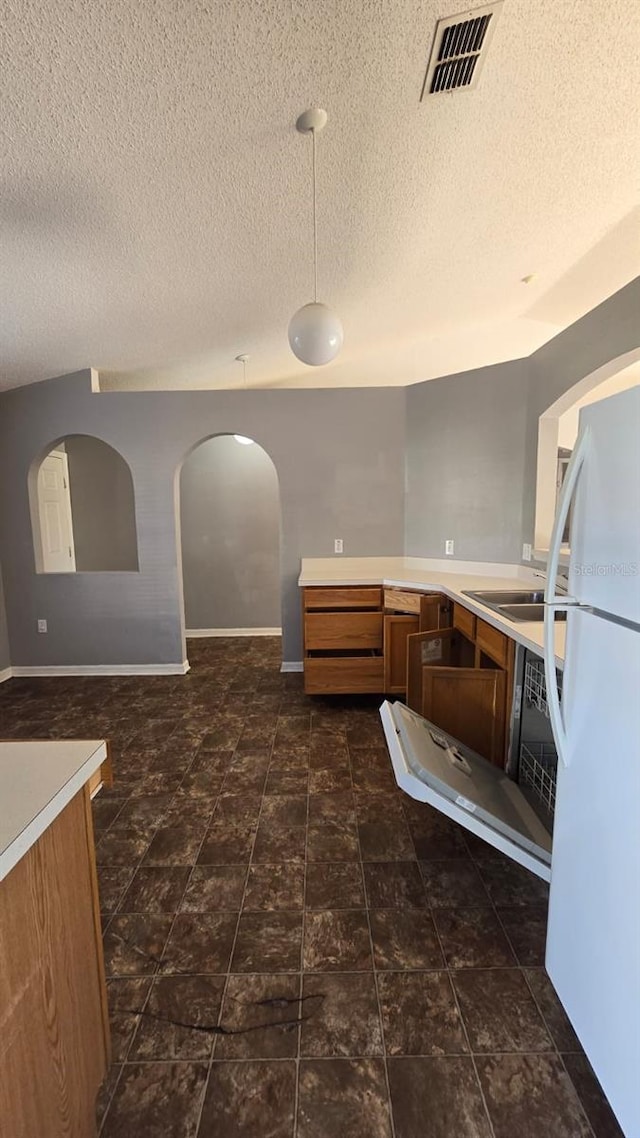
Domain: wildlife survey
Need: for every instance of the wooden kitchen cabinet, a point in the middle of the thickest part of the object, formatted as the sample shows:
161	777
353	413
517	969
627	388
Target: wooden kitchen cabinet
435	611
428	611
53	1003
343	639
397	629
355	636
455	684
343	631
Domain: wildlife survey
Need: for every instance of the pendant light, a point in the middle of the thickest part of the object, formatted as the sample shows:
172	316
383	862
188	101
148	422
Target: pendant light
315	332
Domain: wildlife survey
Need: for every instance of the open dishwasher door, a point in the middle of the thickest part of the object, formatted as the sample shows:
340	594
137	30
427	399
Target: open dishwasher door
435	768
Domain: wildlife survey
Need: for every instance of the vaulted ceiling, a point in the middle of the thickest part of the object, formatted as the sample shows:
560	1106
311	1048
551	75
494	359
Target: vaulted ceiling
155	196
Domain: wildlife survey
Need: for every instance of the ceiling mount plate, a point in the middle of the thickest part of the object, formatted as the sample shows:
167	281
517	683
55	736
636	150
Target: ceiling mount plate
313	119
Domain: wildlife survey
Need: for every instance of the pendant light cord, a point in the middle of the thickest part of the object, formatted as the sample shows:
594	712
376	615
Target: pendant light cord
315	225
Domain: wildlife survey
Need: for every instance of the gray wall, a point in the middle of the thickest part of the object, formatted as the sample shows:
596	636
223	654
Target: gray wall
230	526
339	455
472	438
466	463
609	331
102	505
340	462
5	651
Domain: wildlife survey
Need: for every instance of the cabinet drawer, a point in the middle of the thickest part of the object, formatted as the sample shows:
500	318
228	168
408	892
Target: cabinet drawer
494	643
348	597
343	631
464	620
401	601
354	674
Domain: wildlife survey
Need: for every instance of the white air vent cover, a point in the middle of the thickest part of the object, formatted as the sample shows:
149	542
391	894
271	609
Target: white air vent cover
459	50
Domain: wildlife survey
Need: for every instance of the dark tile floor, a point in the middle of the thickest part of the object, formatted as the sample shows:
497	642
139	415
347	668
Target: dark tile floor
293	946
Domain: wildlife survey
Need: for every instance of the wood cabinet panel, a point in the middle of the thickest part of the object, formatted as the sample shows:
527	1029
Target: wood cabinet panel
435	611
493	642
326	674
343	631
104	774
400	600
468	703
54	1033
424	648
339	597
464	620
396	631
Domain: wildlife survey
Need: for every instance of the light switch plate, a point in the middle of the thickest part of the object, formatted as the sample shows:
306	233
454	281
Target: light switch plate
448	547
42	626
338	545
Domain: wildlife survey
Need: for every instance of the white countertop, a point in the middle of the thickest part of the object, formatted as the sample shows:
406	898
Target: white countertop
449	577
37	780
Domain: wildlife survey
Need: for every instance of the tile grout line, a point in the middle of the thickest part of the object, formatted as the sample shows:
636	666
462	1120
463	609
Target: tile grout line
156	966
392	1127
233	945
205	1086
555	1047
296	1103
462	1021
557	1050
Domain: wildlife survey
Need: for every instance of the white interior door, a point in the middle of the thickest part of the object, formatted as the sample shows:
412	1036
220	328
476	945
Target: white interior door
54	508
593	938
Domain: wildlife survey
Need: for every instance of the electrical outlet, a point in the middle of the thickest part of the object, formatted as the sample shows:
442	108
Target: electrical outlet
42	626
526	551
338	545
448	547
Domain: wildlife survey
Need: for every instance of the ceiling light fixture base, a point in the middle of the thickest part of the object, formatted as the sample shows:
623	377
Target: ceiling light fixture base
315	119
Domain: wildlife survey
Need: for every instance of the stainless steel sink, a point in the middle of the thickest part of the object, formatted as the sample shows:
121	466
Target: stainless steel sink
515	604
494	598
526	612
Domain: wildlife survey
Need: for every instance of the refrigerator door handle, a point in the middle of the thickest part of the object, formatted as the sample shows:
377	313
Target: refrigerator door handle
554	603
553	699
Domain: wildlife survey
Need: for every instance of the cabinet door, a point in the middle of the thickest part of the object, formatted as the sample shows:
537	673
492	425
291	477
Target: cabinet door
435	647
435	612
467	703
396	631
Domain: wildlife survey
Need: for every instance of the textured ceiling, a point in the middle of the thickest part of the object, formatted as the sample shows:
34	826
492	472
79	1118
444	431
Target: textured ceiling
155	196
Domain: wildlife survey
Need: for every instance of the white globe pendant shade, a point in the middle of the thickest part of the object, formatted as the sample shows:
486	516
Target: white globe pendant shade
315	334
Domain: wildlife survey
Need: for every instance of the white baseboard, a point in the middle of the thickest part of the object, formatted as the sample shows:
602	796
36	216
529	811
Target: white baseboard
5	674
292	666
195	633
103	670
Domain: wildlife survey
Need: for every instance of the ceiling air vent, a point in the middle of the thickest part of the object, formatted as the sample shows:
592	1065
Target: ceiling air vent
459	50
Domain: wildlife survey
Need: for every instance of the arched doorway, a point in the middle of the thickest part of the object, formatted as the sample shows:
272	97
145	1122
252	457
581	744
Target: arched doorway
229	504
558	430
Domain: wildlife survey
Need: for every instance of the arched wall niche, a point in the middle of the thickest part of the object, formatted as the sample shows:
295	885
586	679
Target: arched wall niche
82	504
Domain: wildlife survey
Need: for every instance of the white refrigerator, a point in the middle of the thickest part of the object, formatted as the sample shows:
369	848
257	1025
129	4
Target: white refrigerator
593	937
593	861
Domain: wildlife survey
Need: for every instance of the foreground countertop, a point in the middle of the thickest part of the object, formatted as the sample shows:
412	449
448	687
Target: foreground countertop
450	577
37	780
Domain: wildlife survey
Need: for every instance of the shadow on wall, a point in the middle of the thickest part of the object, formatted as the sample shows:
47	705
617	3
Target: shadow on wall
230	536
83	508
